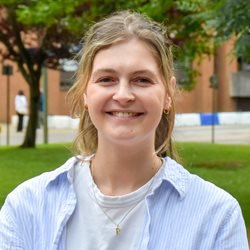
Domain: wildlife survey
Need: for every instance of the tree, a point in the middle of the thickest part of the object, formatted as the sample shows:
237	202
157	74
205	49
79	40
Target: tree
189	31
233	20
33	41
38	33
187	22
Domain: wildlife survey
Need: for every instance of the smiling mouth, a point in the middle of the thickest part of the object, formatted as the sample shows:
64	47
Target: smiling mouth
124	114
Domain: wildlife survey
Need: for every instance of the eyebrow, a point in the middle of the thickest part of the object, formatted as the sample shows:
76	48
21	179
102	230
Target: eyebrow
104	70
137	72
148	72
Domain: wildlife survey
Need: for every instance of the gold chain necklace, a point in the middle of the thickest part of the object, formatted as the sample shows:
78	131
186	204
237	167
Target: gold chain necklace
117	225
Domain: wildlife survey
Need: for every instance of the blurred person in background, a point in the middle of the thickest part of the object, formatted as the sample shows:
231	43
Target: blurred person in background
21	107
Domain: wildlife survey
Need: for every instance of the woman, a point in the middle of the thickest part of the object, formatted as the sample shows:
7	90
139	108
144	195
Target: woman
120	193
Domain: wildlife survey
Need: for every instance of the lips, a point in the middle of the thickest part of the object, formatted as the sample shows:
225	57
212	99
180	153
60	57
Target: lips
122	114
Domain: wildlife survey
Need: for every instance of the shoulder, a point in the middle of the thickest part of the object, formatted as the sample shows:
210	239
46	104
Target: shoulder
193	198
35	201
195	189
185	204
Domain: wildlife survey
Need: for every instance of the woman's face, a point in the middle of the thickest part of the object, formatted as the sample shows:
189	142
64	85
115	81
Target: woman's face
126	94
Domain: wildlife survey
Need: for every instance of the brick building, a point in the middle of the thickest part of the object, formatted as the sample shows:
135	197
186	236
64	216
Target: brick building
233	93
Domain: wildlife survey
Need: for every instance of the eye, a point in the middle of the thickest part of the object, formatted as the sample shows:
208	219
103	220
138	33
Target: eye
142	81
107	80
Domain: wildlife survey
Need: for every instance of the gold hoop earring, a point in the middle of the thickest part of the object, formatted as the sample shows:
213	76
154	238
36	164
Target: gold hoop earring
166	111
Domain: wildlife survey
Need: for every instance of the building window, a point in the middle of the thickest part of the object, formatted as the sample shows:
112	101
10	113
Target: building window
244	65
66	79
68	69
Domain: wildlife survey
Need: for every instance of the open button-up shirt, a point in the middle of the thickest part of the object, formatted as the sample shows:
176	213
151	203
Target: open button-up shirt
183	213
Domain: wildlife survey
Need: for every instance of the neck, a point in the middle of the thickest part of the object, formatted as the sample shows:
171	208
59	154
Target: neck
123	170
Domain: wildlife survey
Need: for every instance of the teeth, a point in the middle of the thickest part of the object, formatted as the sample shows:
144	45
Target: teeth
124	114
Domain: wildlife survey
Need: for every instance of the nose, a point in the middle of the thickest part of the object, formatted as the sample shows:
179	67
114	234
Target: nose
124	93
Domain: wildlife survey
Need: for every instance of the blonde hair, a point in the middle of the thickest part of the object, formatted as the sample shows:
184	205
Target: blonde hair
121	26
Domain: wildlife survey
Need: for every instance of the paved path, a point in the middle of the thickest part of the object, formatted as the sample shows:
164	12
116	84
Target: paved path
229	134
223	134
54	136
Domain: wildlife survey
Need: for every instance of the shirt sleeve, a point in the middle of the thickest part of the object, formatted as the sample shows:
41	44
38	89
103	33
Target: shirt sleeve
10	236
232	234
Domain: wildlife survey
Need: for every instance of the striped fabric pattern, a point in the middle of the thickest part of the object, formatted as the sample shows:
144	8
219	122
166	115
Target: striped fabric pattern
183	213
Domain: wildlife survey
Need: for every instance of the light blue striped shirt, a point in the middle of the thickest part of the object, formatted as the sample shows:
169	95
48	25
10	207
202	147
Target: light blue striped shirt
183	213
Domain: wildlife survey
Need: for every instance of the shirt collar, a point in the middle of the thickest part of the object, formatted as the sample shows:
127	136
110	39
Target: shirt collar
66	169
173	173
177	176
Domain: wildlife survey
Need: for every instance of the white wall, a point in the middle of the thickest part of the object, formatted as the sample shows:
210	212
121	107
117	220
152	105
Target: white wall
188	119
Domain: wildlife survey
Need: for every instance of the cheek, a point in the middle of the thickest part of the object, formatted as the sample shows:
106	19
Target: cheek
92	97
156	100
96	99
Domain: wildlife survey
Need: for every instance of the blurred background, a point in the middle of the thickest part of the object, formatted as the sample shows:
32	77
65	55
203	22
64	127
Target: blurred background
40	40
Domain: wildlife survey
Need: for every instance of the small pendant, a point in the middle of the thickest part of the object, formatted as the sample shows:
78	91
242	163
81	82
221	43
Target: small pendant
117	230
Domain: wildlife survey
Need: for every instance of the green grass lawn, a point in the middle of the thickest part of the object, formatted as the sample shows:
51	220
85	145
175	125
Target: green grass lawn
18	164
227	166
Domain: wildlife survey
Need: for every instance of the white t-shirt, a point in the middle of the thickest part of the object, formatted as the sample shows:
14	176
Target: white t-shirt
89	228
21	104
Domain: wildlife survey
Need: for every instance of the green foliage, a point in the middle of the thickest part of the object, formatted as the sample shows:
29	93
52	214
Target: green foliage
192	23
63	19
39	11
49	13
187	24
157	9
233	19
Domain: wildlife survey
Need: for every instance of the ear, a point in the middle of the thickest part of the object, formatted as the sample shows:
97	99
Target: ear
168	101
85	99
